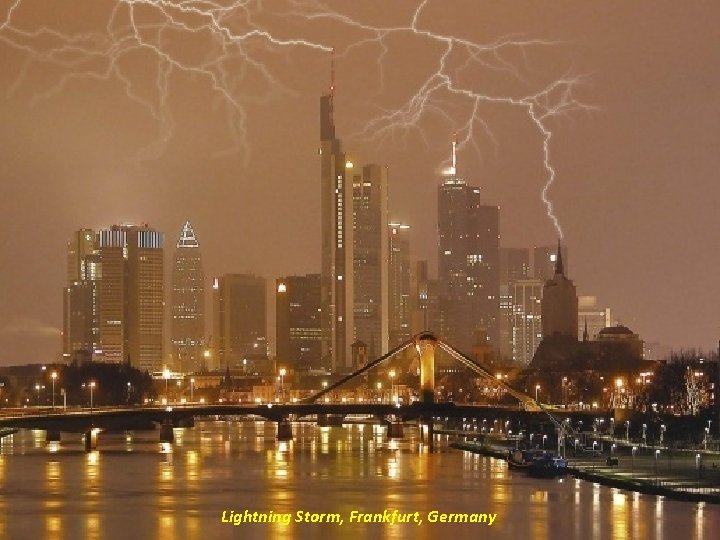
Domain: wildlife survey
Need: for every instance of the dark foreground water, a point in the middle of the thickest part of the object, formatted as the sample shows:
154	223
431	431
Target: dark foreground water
136	488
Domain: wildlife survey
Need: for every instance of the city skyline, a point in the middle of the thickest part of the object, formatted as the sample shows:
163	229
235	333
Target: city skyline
616	193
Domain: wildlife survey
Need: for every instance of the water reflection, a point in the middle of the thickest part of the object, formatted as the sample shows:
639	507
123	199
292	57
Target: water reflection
135	487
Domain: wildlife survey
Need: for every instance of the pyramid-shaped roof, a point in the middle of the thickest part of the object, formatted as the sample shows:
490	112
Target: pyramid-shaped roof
187	237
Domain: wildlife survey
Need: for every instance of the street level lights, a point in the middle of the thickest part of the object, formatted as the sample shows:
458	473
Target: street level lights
53	376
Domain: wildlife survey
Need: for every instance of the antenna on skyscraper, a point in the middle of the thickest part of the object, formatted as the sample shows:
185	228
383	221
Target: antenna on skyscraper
454	153
332	72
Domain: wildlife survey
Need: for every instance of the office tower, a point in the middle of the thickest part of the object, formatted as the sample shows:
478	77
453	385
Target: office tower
336	214
370	257
559	307
239	314
115	295
591	318
399	292
526	319
467	261
544	259
188	303
297	322
81	332
514	265
145	298
425	300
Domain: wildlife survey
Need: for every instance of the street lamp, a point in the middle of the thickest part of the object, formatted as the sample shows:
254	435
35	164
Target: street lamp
634	449
657	453
91	386
537	389
53	376
644	426
192	386
392	385
627	430
662	434
379	389
543	441
129	387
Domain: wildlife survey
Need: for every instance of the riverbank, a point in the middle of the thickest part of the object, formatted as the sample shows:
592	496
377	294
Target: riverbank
644	477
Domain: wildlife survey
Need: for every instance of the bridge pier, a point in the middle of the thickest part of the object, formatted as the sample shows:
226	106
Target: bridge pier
52	436
425	345
284	430
166	432
91	440
395	430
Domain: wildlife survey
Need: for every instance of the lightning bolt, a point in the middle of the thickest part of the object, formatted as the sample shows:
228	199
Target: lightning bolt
235	38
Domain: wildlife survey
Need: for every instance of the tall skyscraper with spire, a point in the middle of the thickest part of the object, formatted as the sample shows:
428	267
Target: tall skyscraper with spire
188	302
468	260
336	214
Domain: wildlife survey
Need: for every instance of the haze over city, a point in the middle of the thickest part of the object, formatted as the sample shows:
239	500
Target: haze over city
635	154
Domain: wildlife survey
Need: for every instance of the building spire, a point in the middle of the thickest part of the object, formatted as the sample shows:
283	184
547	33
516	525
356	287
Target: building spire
454	153
559	269
586	336
332	73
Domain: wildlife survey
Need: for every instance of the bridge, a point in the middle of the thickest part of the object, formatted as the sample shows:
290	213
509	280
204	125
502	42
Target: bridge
425	411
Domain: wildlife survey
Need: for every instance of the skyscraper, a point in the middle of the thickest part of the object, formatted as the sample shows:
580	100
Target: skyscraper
297	321
188	302
592	317
336	214
239	320
115	296
559	308
370	257
514	265
399	292
526	319
467	261
81	332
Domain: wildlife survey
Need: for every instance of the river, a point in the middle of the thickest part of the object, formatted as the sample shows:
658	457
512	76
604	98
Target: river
136	488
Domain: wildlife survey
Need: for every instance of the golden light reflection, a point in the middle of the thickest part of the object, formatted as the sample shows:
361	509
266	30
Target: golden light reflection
92	526
620	517
699	519
166	526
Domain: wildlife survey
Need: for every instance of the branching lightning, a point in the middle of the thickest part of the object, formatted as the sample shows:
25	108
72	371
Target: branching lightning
235	43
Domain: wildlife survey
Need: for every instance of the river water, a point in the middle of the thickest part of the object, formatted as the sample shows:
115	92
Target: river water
137	488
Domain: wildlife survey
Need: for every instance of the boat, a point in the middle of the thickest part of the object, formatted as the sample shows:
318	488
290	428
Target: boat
548	466
522	459
538	463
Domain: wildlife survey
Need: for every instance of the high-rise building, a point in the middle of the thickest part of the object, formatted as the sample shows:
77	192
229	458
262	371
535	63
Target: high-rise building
559	307
591	318
544	259
336	214
399	291
146	297
239	321
526	320
297	322
115	295
514	265
188	302
370	257
468	253
425	300
81	332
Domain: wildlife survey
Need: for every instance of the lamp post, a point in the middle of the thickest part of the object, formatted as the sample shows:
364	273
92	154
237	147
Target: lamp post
392	385
379	389
37	389
644	426
192	386
627	430
634	449
543	441
662	433
53	376
537	389
91	386
657	453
